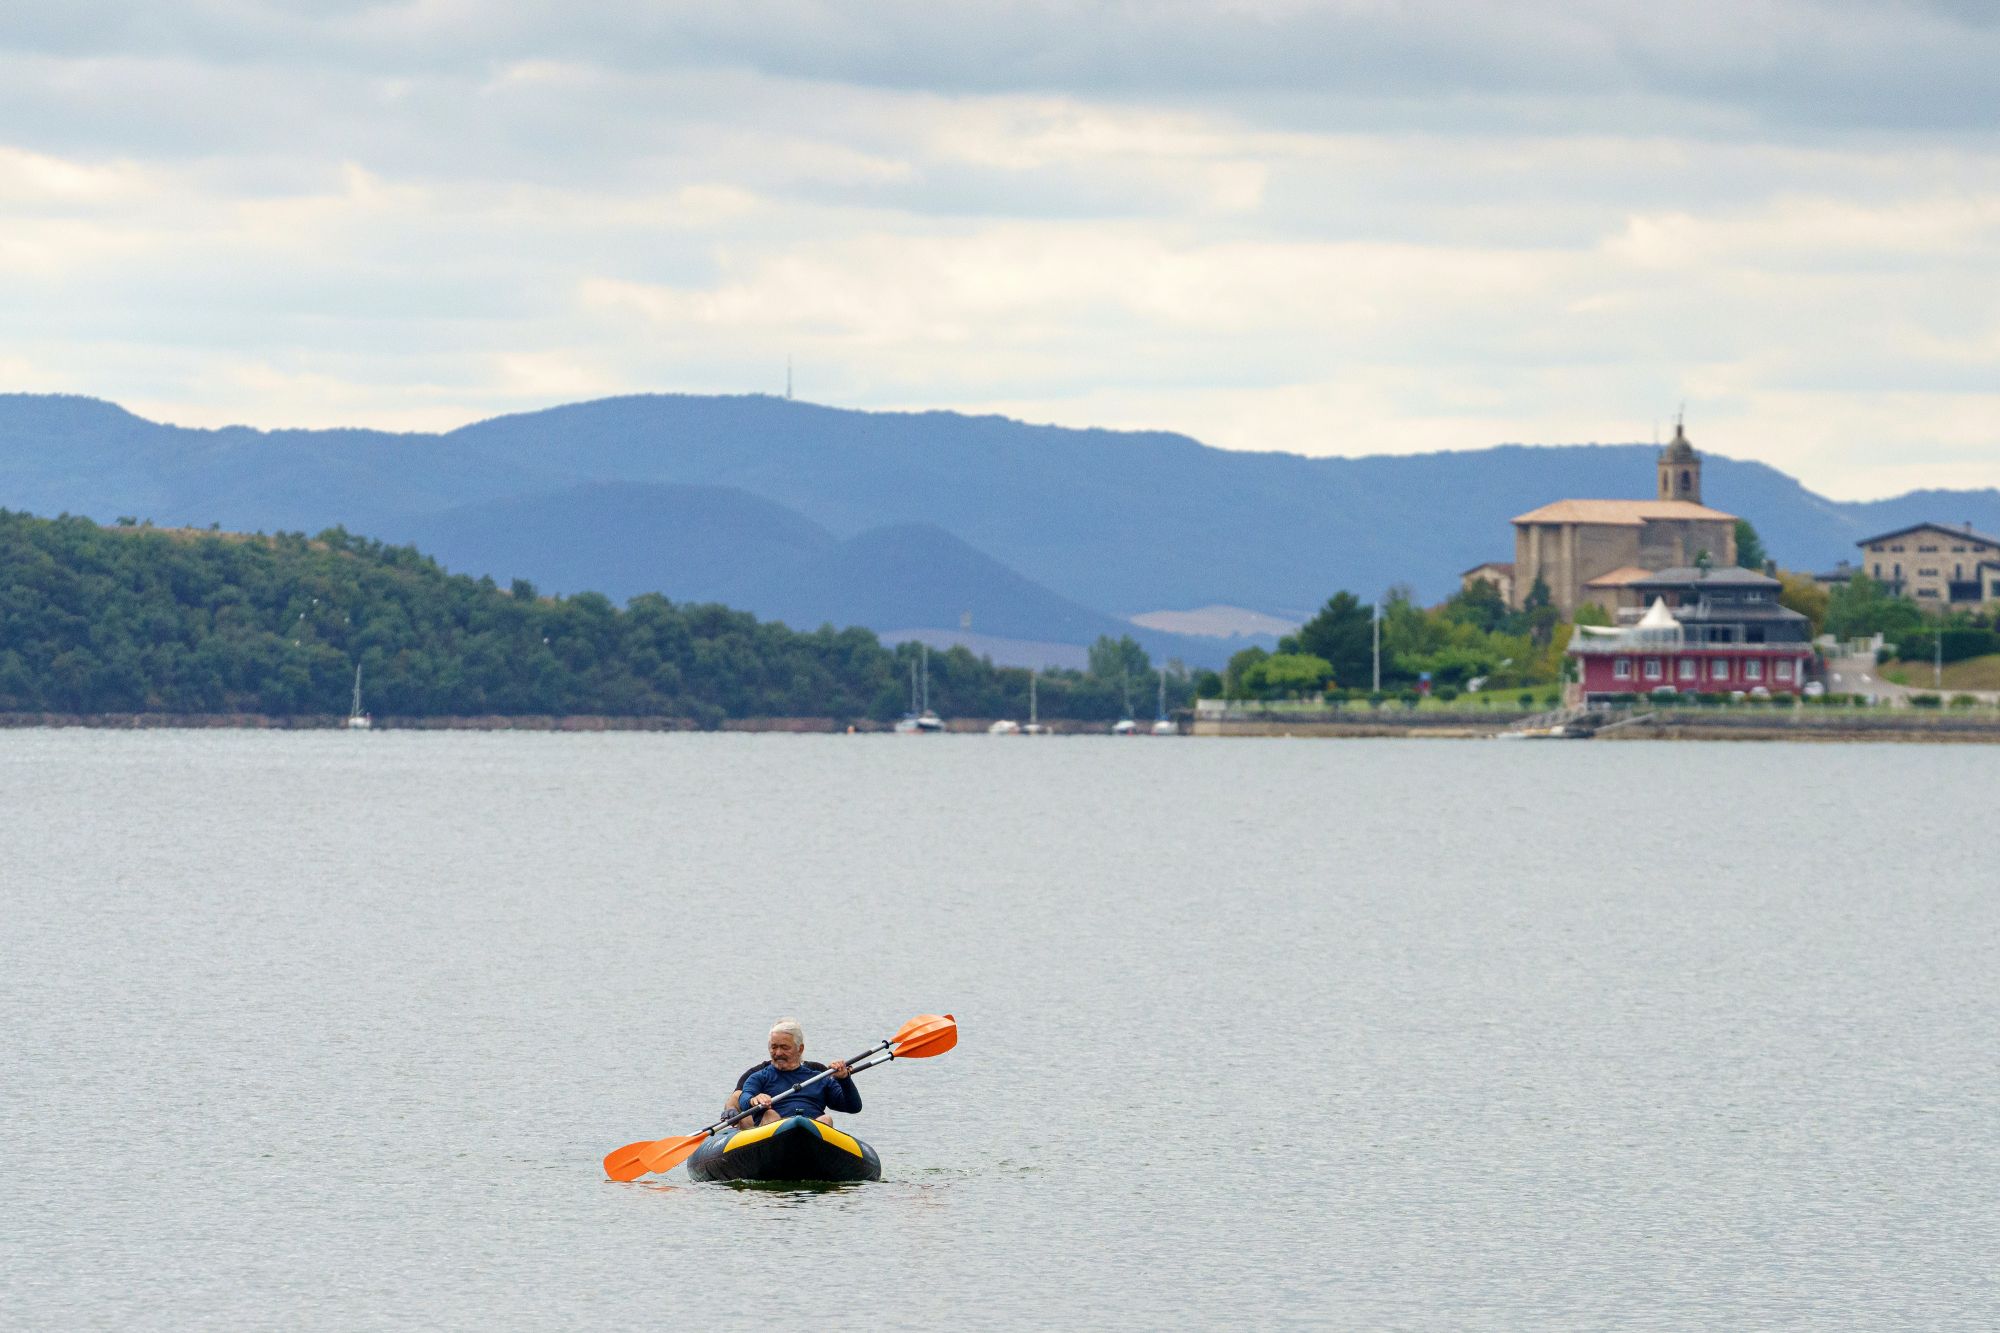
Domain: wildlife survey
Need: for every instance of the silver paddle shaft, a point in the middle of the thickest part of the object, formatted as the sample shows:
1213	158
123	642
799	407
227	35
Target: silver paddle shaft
878	1054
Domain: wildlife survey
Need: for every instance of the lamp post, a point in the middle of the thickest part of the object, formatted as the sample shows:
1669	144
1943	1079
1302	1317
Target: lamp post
1376	622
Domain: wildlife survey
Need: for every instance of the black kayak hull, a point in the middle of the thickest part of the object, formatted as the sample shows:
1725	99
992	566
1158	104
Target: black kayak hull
796	1149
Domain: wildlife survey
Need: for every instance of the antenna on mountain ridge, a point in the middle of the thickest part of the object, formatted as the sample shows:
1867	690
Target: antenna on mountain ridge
788	377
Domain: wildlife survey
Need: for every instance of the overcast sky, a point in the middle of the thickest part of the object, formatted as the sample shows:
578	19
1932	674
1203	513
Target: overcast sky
1332	228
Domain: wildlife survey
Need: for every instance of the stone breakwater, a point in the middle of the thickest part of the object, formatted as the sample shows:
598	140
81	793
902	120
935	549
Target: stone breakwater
1806	724
1748	724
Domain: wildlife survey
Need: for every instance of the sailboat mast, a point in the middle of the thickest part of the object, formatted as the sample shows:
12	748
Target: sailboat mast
1032	718
354	710
927	677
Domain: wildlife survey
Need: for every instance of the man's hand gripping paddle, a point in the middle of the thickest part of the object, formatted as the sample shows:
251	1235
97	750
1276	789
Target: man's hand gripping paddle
923	1036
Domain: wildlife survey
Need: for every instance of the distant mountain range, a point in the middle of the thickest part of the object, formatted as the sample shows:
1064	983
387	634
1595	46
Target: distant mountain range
978	528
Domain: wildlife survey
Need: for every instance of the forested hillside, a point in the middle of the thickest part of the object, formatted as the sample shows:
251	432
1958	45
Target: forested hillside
133	619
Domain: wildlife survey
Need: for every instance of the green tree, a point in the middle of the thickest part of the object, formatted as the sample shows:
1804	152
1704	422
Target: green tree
1285	674
1118	659
1341	634
1540	614
1749	547
1479	605
1803	594
1236	675
1862	607
1409	633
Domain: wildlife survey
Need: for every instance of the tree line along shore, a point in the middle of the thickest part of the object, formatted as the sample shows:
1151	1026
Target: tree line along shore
137	622
133	621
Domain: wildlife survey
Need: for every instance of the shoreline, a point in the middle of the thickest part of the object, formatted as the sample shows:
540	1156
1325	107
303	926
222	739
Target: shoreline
1797	724
1902	727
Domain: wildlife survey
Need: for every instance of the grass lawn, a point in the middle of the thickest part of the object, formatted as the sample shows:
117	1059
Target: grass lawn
1487	701
1974	673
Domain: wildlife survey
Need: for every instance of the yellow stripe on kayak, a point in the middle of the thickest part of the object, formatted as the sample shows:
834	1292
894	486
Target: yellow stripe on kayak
750	1136
836	1138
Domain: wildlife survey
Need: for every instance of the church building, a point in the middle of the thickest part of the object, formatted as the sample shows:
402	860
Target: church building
1599	550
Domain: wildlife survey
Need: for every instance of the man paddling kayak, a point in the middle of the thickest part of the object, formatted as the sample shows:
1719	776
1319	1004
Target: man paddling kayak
766	1090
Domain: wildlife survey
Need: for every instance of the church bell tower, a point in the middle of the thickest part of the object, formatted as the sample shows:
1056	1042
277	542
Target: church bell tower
1680	469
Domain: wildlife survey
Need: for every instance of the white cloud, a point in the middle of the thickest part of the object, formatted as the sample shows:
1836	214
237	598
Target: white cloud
1351	227
1796	233
29	179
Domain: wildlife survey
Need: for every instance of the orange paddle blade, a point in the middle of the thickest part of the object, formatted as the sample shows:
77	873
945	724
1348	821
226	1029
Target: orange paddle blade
628	1162
926	1035
636	1159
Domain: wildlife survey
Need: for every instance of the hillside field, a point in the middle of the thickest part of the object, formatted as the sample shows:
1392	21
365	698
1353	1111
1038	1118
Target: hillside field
1974	673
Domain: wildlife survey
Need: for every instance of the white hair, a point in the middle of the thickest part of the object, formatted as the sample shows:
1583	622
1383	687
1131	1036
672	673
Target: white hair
790	1027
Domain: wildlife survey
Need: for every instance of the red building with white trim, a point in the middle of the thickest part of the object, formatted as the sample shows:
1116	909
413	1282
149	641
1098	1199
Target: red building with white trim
1707	631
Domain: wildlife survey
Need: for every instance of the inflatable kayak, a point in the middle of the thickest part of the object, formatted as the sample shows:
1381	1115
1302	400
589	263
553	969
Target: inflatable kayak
800	1148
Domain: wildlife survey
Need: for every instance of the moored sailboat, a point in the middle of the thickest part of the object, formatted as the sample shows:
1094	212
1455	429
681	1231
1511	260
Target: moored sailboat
920	718
1126	725
356	719
1034	727
1164	726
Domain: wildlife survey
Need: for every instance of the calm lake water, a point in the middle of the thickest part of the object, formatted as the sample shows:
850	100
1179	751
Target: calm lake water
330	1031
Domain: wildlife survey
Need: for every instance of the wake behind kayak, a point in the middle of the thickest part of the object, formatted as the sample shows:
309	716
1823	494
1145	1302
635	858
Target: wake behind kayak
798	1148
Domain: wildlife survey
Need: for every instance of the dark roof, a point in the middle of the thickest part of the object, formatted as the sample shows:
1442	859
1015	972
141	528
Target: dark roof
1720	576
1960	530
1680	451
1733	613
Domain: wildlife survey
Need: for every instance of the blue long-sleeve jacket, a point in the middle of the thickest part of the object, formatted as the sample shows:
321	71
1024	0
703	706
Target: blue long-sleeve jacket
829	1094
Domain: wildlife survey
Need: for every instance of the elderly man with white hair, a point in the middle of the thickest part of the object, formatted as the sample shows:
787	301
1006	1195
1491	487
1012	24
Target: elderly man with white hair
765	1090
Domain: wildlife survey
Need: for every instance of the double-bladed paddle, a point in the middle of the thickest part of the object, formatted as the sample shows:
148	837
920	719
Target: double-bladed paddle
923	1036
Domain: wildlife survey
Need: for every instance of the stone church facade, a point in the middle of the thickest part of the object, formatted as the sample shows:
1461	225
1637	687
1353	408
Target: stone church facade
1597	550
